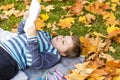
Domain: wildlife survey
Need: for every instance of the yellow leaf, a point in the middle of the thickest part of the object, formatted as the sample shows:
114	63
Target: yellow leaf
44	17
83	20
98	34
66	22
112	28
113	6
116	78
115	1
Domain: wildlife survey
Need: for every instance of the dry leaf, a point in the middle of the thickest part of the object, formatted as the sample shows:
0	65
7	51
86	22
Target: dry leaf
2	17
39	24
81	66
90	17
97	7
49	8
66	22
47	0
54	27
77	8
6	7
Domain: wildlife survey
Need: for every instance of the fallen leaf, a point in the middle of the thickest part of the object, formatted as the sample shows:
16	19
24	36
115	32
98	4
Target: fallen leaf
7	7
49	8
77	8
44	17
39	24
66	22
3	17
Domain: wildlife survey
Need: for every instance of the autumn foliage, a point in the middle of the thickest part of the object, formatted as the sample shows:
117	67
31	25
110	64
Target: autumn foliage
98	65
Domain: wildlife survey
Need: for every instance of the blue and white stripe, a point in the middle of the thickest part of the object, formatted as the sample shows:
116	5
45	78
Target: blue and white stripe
16	47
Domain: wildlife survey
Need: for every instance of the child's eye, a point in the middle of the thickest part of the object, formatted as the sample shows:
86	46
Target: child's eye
63	42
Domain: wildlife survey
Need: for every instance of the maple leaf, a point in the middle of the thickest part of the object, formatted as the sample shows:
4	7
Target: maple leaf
91	45
2	17
39	24
98	73
54	27
83	20
90	17
66	22
113	64
20	13
77	8
13	12
47	0
113	6
6	7
81	66
112	28
74	76
97	7
107	57
44	17
115	1
49	8
98	34
113	34
111	20
87	18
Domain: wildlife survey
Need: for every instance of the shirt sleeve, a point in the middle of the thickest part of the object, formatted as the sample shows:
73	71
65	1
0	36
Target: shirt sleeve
38	60
21	26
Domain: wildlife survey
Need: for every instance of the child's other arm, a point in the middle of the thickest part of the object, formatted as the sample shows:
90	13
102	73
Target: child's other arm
22	23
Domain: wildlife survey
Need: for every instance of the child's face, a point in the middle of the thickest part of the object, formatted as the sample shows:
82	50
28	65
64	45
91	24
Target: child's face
62	43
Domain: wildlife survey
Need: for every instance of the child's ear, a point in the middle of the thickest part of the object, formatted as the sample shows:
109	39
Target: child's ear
63	53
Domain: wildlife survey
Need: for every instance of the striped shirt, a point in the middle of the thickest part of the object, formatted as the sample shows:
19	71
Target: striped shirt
20	49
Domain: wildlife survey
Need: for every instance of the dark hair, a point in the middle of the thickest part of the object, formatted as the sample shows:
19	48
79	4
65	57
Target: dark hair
76	50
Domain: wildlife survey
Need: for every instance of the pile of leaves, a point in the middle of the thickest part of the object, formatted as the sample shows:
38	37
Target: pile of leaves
98	64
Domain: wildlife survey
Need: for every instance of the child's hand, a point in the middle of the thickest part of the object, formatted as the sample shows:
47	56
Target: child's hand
26	15
31	32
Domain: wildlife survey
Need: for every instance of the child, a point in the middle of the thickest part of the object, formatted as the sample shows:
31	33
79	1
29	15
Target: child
34	49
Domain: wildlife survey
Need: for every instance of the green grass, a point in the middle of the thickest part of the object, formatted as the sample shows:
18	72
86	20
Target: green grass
78	28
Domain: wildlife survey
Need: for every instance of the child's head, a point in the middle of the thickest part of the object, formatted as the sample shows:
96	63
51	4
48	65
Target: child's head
69	46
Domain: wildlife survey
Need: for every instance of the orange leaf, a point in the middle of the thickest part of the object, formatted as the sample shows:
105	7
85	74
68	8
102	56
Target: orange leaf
77	8
97	7
39	24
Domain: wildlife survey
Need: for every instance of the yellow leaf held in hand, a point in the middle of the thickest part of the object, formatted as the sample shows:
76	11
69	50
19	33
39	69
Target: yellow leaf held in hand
44	17
66	22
